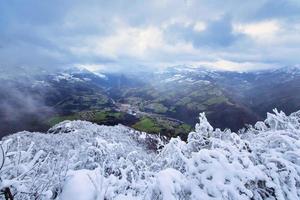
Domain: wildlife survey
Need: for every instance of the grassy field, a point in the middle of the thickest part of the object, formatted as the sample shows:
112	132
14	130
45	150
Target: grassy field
163	127
93	116
105	115
147	125
57	119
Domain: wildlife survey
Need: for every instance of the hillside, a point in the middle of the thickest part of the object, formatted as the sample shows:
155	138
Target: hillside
84	161
166	101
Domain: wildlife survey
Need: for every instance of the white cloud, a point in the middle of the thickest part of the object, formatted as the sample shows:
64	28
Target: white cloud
130	41
265	30
90	67
126	33
199	26
185	22
236	66
141	44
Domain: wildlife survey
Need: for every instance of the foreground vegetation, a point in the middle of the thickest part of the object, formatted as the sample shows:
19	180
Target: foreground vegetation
83	161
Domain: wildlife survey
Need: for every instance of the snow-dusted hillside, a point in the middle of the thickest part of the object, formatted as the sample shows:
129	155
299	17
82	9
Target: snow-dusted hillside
83	161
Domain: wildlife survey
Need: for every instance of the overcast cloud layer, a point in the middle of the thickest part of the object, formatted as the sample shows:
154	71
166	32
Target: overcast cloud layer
123	34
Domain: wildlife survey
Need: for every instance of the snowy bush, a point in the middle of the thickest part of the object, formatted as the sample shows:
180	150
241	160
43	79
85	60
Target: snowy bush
83	161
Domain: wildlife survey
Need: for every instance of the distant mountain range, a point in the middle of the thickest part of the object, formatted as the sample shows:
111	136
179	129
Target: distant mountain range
167	101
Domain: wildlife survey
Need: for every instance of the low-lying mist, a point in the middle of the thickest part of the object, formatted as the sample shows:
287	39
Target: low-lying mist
20	109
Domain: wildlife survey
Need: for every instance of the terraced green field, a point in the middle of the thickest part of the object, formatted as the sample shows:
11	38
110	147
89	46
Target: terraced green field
162	126
57	119
100	117
147	125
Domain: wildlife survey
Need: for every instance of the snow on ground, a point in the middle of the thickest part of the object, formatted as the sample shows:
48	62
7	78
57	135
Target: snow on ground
79	185
66	76
84	161
100	75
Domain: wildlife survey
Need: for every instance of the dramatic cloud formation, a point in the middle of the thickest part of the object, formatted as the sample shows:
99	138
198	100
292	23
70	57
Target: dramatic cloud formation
233	34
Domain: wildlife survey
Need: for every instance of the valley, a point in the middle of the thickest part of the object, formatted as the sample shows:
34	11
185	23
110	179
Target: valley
166	102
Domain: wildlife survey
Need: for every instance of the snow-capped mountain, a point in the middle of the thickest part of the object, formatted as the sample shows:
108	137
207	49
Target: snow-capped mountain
84	161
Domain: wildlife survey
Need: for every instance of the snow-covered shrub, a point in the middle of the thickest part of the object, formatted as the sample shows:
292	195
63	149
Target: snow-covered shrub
83	161
277	150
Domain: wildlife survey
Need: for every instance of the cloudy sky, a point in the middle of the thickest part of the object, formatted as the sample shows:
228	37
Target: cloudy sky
128	34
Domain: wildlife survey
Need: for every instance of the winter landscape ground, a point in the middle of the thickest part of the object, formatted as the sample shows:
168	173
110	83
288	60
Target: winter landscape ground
149	100
80	160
